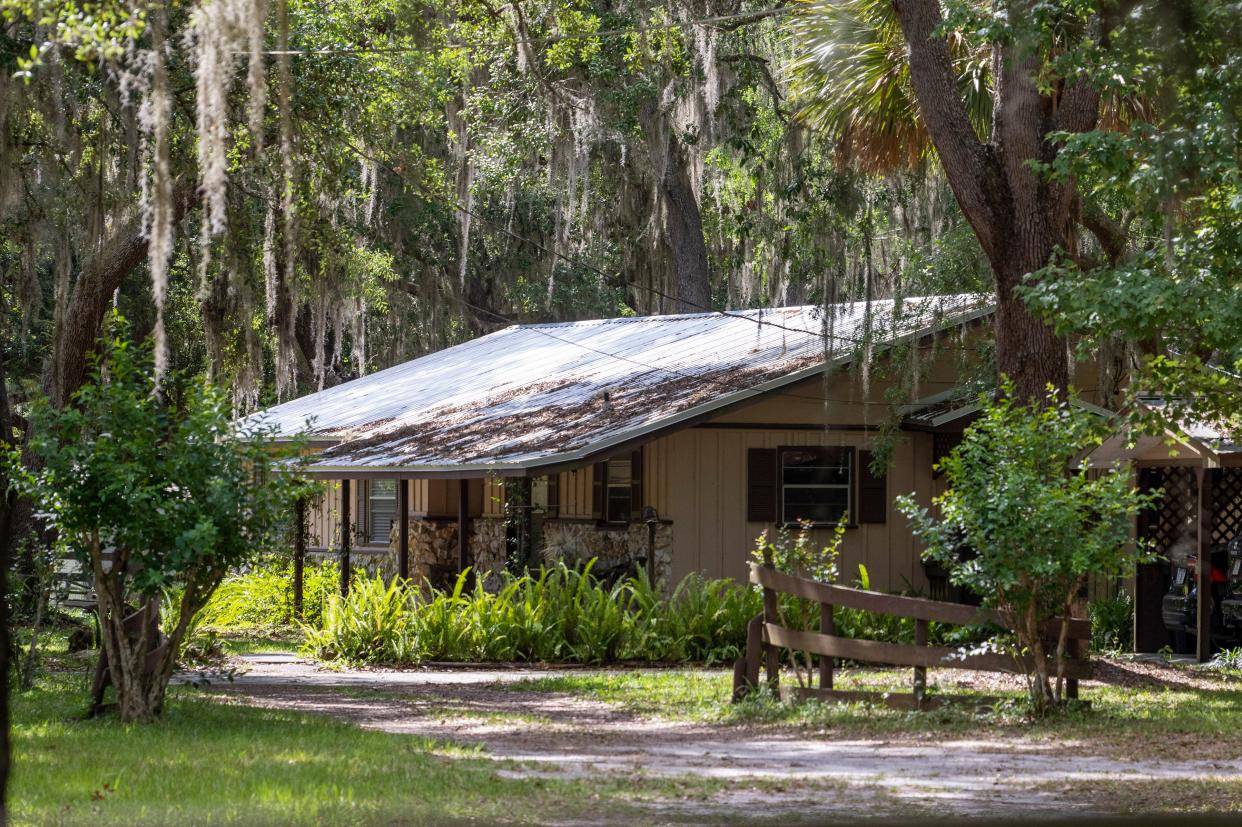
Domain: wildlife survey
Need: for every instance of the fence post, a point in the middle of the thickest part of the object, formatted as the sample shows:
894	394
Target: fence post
746	670
920	672
770	615
827	626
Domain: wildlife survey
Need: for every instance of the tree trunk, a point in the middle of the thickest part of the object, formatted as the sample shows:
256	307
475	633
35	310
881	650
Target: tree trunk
1041	687
685	230
91	297
140	660
1019	219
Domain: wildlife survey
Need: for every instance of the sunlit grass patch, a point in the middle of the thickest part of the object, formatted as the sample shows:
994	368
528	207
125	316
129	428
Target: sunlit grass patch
1119	717
213	763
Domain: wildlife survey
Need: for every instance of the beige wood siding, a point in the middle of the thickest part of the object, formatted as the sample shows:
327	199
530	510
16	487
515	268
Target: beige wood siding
706	485
324	515
575	493
493	492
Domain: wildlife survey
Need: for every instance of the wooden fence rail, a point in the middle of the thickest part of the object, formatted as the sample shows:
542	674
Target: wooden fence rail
766	636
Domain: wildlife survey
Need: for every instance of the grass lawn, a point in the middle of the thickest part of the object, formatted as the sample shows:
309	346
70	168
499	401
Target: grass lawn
212	763
1167	706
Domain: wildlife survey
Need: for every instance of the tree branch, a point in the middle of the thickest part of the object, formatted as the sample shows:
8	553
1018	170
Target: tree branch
99	278
1110	234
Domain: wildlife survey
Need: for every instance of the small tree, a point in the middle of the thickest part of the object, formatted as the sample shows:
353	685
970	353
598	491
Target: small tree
1022	499
177	492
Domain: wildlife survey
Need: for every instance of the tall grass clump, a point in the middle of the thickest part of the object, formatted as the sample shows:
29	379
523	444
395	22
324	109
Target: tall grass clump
555	615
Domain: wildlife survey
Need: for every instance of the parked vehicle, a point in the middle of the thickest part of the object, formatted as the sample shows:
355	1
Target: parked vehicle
1231	606
1180	606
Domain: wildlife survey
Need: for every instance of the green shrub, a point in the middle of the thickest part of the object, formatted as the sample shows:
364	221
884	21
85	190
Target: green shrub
1112	623
263	597
1228	660
374	625
556	615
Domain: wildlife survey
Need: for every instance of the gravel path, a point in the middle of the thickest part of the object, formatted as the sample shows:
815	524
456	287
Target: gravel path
788	772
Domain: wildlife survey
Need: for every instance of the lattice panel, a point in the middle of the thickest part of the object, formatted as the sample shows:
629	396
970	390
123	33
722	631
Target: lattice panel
1164	523
943	445
1227	505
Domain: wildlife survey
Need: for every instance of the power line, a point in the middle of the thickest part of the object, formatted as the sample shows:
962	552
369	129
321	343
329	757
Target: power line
773	11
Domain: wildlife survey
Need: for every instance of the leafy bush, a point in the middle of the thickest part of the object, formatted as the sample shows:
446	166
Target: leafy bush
557	615
262	597
1039	523
1112	623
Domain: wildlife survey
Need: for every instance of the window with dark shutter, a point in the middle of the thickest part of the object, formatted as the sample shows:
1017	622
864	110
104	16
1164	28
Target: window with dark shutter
943	445
554	494
816	484
616	488
761	485
872	491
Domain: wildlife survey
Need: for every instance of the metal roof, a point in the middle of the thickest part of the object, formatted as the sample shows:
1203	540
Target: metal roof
531	396
954	409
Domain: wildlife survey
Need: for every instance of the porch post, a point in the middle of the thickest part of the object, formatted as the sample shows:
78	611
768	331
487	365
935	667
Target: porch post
299	554
403	528
1203	573
346	531
463	507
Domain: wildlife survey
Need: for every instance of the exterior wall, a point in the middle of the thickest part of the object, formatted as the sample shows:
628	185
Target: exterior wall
575	493
706	496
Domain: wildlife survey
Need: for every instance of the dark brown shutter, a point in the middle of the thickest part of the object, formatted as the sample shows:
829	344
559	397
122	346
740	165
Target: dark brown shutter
761	485
872	492
636	485
599	478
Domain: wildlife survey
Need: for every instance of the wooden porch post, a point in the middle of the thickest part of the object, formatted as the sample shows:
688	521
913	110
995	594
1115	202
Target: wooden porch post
346	531
1203	619
299	554
463	508
403	527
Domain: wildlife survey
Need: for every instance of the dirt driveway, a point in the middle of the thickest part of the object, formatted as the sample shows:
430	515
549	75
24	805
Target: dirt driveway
792	774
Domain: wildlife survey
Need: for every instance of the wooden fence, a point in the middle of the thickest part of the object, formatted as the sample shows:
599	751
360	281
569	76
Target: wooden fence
766	637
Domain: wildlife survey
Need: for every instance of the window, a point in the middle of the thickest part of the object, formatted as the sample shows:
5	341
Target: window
815	484
381	510
617	484
619	496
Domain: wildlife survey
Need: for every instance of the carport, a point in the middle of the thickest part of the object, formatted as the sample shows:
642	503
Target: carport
1199	471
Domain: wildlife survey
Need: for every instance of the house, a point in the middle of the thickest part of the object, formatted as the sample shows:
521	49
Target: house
670	442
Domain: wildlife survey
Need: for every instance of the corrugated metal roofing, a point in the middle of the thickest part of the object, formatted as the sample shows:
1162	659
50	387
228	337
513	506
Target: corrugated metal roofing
533	395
